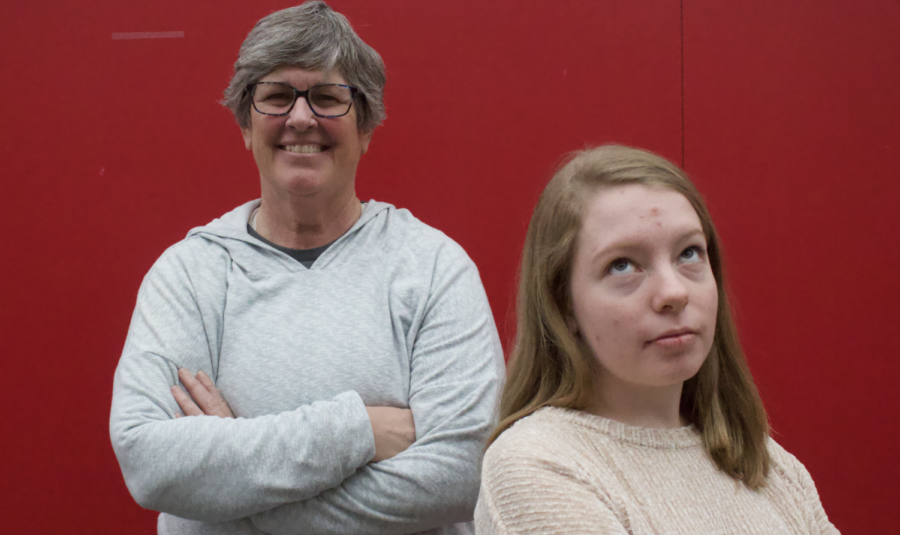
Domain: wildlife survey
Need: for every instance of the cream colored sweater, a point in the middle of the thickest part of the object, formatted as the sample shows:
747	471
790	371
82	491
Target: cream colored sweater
564	471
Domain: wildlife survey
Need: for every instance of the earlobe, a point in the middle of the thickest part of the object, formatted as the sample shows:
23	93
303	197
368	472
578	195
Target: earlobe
364	140
247	134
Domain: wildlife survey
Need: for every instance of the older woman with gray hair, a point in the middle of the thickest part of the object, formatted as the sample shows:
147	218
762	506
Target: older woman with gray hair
354	344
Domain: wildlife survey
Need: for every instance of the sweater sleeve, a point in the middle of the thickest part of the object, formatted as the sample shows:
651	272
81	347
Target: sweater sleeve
205	467
809	497
529	488
456	371
824	525
794	494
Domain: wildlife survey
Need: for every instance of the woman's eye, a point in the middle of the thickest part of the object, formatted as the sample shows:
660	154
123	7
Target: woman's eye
691	255
278	98
622	266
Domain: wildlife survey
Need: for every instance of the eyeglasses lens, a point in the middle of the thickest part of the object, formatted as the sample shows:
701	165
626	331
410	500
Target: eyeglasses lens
329	100
273	98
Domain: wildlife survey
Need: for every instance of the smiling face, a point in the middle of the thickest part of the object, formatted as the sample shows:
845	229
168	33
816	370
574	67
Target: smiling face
643	293
300	153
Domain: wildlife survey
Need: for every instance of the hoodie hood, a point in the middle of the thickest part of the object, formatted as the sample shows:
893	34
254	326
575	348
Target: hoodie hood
230	232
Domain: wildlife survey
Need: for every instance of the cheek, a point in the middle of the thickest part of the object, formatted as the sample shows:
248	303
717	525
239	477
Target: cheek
601	328
610	332
709	304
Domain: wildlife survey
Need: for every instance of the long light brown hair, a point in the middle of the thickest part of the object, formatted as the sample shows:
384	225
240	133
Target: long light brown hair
551	367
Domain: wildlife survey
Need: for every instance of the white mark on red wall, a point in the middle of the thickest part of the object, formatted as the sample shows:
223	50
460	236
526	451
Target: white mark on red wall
102	170
147	35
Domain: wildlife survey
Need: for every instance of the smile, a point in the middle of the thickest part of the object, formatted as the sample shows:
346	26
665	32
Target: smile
303	149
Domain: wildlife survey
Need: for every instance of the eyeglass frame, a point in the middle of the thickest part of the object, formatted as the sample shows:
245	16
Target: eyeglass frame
251	89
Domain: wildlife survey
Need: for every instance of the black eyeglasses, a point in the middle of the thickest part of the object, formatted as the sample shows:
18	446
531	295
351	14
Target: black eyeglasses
325	100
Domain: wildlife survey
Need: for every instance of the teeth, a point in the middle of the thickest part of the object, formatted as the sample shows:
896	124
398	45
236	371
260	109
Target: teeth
303	149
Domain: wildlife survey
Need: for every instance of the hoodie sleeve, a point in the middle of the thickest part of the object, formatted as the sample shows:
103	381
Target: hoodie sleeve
205	467
456	376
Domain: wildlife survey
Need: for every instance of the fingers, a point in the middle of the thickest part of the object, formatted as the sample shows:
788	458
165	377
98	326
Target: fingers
204	396
194	388
186	403
215	403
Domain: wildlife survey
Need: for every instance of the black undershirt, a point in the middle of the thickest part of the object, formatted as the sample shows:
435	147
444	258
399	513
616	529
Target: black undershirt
305	256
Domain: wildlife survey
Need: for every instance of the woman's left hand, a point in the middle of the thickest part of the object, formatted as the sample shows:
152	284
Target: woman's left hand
204	396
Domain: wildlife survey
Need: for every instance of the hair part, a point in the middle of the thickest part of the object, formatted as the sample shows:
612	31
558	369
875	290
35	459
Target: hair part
550	366
314	37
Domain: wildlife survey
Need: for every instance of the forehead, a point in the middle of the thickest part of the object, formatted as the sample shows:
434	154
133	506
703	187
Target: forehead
302	78
635	212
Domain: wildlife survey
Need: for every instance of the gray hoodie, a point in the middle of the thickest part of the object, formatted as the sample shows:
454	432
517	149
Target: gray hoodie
393	313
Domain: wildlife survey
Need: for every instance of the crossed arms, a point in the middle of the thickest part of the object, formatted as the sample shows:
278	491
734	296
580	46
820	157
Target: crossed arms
310	467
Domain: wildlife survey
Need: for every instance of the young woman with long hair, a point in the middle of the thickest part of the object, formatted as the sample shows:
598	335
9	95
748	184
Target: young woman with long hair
629	407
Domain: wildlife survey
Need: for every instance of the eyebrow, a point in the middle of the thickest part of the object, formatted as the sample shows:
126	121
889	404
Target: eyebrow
285	82
631	244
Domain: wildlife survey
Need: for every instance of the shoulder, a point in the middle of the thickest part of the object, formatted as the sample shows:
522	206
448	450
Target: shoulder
790	486
209	246
551	440
190	257
424	262
218	244
785	464
200	261
787	473
546	471
408	236
190	275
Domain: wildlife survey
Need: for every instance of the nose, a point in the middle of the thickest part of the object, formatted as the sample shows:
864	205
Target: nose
301	116
670	294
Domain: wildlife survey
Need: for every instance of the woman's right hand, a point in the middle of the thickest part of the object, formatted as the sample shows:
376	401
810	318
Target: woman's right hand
204	397
394	430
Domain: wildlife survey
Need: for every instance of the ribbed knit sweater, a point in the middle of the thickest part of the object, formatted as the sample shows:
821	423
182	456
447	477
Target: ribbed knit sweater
565	471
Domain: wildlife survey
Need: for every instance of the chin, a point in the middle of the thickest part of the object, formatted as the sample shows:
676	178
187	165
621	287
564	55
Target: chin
301	184
682	371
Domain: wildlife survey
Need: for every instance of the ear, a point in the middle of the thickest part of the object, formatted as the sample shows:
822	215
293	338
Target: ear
364	139
248	138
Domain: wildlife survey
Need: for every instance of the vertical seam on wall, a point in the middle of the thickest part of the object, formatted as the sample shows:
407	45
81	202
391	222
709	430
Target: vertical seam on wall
682	82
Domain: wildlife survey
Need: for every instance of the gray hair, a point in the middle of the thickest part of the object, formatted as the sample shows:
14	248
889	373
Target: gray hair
311	36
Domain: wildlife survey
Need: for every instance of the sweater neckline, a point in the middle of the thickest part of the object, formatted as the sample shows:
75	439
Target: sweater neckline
677	438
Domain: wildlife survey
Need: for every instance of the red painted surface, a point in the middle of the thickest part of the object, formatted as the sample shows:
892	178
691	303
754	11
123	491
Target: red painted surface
113	149
792	129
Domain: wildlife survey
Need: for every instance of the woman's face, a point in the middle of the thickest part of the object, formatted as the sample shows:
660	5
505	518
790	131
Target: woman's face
643	292
300	153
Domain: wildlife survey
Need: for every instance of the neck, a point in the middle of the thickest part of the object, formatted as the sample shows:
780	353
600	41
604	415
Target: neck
641	406
306	222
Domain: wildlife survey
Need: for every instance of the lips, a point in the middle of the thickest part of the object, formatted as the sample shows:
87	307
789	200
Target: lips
674	337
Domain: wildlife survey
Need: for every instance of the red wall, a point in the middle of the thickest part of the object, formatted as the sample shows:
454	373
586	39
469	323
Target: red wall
792	130
113	149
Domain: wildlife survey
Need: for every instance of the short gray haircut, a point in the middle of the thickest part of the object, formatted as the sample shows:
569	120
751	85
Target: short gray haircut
311	36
